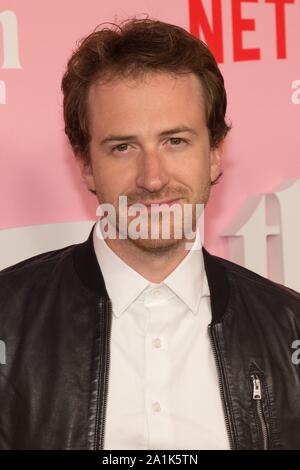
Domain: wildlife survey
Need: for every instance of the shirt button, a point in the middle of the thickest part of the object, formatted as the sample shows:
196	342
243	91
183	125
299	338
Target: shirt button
156	292
156	343
156	406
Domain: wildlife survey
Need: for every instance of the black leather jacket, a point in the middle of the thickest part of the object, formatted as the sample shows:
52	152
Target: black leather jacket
55	321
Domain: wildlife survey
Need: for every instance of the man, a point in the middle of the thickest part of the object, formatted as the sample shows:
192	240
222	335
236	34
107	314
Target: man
131	342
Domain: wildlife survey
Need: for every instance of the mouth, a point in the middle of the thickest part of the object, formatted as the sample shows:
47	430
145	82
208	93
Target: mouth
157	204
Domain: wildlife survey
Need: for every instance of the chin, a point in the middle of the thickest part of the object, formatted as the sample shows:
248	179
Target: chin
174	239
158	245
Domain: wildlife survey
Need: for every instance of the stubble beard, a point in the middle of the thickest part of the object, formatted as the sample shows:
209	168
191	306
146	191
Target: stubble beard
160	245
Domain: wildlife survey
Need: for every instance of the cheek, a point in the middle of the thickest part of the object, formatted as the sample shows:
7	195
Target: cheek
111	182
194	173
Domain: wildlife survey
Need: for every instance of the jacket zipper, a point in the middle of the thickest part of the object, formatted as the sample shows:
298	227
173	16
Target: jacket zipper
257	396
218	361
103	375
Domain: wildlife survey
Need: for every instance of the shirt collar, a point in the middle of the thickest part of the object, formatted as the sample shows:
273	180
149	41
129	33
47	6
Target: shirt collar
188	280
124	284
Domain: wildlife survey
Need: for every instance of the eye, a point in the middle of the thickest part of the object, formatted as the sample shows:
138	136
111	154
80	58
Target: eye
177	140
120	147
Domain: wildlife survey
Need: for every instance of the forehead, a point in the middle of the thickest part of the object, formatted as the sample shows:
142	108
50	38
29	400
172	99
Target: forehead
152	96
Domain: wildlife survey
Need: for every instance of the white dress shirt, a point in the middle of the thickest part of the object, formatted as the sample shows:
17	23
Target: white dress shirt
163	389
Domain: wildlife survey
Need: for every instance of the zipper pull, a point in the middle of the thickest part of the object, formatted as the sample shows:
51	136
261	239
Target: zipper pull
256	387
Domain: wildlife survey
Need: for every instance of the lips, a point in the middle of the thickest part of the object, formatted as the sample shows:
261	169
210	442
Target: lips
157	205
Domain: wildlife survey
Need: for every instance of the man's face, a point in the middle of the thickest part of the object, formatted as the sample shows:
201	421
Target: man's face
147	159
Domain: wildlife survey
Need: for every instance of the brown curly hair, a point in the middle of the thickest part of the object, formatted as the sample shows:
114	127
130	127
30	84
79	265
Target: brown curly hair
130	49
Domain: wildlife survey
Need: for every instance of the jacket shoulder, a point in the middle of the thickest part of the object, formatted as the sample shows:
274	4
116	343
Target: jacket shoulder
34	265
250	279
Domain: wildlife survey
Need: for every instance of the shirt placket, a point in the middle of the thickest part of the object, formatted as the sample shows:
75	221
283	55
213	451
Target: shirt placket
158	430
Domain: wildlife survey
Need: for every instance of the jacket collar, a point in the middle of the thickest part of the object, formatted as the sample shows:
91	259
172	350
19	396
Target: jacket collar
88	270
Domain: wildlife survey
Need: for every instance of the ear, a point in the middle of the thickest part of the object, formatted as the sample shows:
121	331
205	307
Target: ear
86	171
216	155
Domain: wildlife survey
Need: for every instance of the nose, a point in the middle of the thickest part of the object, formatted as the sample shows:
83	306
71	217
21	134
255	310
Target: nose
152	175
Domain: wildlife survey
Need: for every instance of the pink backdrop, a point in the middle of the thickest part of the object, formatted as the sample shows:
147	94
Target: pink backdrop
39	181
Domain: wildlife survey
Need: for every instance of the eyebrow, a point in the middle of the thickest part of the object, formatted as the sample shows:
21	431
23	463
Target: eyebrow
174	130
